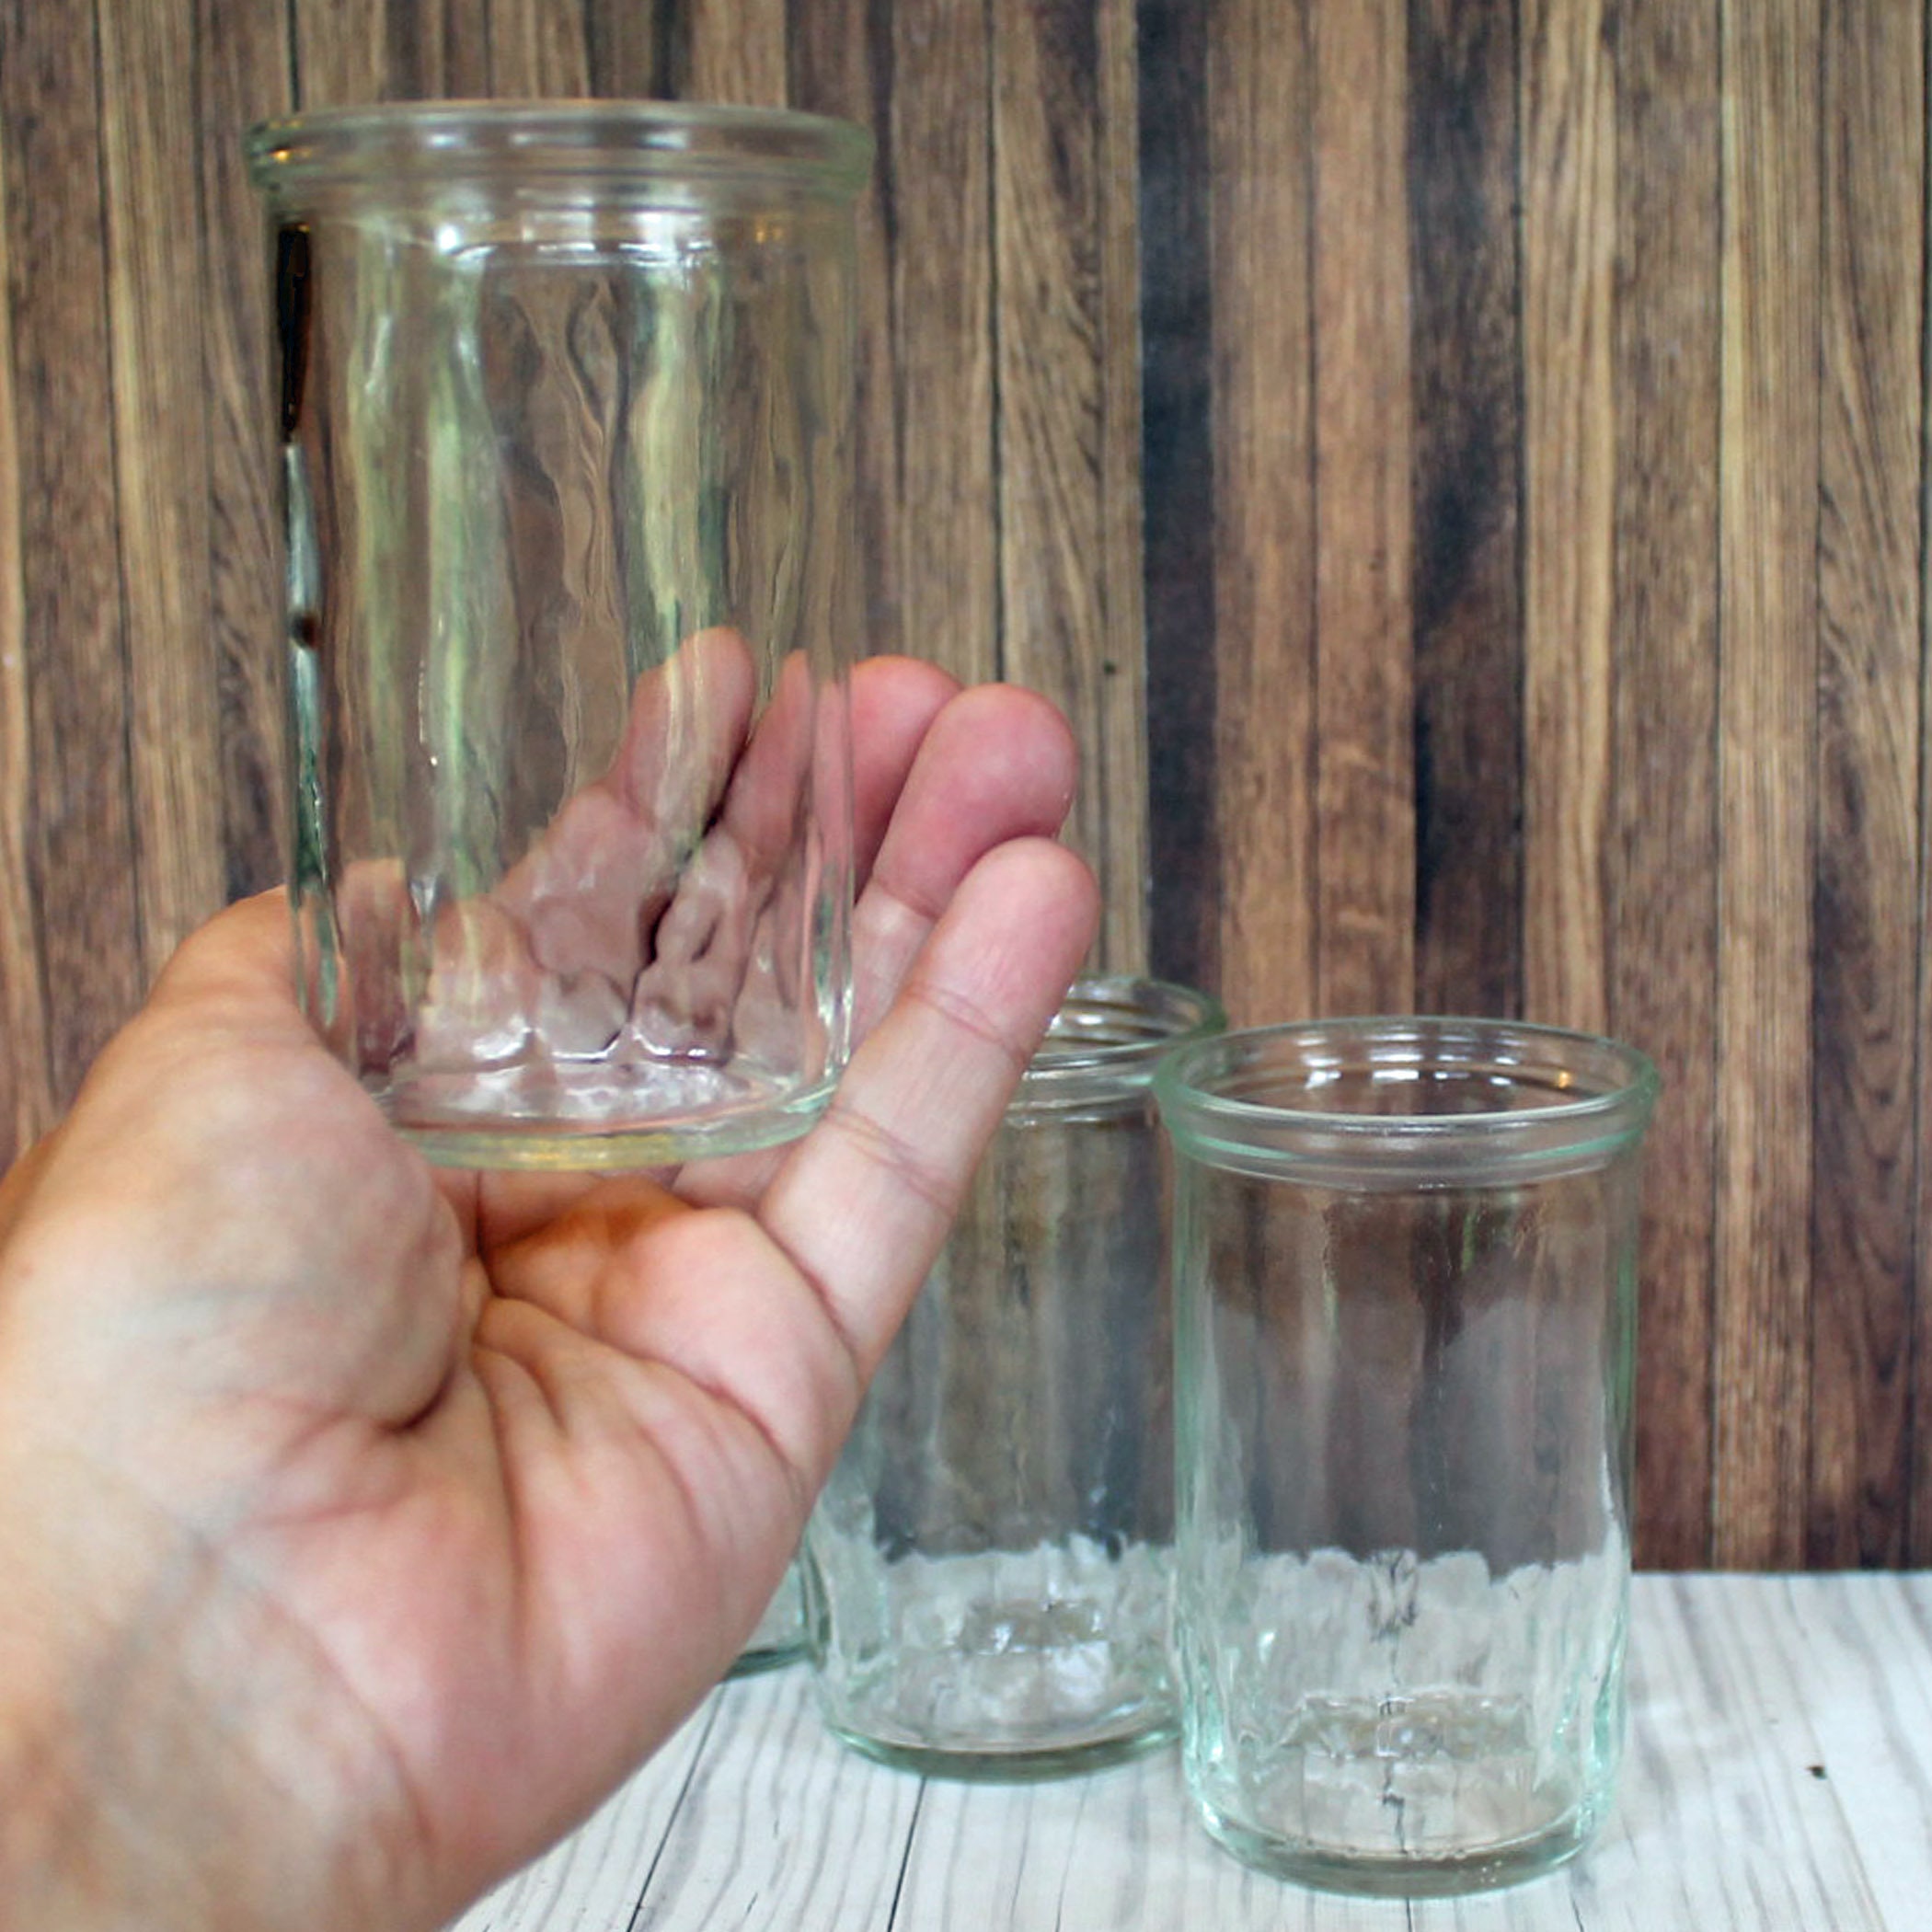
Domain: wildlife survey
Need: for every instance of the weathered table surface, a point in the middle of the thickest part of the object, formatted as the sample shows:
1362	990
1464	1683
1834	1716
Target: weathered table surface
1778	1778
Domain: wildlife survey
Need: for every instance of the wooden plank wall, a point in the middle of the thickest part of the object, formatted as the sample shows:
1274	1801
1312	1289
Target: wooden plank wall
1461	464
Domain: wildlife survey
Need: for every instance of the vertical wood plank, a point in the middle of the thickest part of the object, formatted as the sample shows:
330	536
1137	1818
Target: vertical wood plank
1121	1849
437	49
1056	323
161	463
1861	1649
1467	485
1719	1823
80	842
1864	1139
1123	633
244	72
26	1099
1918	1528
1664	865
1179	459
1261	93
1368	438
841	57
630	46
1046	329
342	53
765	1757
738	51
1768	549
539	49
1569	119
942	283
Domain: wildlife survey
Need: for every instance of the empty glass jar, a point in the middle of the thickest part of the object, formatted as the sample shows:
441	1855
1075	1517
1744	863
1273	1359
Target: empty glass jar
565	409
988	1571
1405	1276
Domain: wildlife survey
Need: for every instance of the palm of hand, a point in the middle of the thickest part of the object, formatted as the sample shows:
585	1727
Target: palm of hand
434	1502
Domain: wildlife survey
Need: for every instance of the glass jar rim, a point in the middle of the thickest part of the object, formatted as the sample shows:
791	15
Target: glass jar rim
643	141
1566	1102
1111	1031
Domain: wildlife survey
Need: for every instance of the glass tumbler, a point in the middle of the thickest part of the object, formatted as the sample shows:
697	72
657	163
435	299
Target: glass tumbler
1405	1268
565	416
988	1571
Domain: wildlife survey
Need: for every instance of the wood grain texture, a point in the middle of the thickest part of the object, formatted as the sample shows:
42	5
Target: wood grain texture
1767	684
1467	482
25	1096
1462	467
537	49
1190	881
738	52
1382	307
1869	1652
245	73
1776	1779
342	53
939	159
724	1861
1263	620
841	63
445	47
1567	108
1919	1522
1662	964
1715	1654
627	45
1120	734
1865	1126
160	440
83	859
1063	310
1043	83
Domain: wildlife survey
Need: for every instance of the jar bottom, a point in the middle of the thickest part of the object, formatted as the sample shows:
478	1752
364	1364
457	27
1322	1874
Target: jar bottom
1002	1664
615	1143
1392	1876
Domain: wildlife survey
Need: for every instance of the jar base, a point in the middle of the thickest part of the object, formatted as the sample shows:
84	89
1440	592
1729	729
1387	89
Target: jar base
1383	1875
587	1146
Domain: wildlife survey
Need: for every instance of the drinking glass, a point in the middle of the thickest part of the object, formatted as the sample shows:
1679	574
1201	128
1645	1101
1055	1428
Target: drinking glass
1405	1281
987	1572
565	415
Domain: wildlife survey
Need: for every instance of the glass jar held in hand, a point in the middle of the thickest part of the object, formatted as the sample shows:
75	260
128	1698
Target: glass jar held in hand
566	419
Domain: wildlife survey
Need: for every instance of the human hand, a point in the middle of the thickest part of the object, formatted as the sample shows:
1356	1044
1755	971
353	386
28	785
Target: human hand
362	1526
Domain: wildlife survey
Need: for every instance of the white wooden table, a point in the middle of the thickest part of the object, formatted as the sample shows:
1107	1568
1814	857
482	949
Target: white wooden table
1778	1778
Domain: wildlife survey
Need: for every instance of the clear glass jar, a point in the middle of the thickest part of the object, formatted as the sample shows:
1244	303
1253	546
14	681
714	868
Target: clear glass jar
565	412
1405	1283
987	1570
